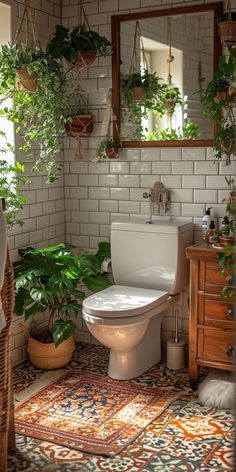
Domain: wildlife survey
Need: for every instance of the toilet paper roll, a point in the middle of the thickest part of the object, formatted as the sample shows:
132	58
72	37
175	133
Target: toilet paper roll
175	355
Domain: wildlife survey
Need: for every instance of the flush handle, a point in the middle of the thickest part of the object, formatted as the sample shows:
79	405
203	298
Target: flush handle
229	351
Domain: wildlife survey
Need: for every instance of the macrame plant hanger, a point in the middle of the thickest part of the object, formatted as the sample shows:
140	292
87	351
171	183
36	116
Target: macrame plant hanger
138	51
169	60
84	58
27	82
30	21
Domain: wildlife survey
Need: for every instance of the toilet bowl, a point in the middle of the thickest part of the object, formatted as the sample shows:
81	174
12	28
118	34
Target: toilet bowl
127	316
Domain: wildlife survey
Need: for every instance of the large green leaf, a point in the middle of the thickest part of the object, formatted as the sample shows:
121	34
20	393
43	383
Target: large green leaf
62	330
41	295
97	282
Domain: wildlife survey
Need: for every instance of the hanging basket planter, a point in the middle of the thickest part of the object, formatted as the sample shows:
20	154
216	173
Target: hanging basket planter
112	152
84	59
27	82
227	31
80	125
138	93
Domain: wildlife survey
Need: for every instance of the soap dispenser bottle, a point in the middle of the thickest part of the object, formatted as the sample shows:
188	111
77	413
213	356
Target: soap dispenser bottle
205	222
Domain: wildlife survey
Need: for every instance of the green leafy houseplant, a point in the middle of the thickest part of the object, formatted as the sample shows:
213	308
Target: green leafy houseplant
136	110
38	116
189	130
218	100
109	147
71	44
47	279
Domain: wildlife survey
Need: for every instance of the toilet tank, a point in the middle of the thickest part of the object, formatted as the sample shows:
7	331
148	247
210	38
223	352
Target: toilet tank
151	255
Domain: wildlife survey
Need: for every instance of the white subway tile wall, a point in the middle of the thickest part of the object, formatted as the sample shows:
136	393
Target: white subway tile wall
96	193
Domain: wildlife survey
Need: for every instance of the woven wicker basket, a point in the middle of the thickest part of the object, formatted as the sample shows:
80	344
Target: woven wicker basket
6	400
227	30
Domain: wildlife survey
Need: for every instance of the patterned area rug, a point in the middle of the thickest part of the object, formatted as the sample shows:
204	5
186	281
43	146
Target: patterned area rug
91	413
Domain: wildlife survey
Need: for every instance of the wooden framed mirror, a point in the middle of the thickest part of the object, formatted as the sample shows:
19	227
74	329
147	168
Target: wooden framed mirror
180	47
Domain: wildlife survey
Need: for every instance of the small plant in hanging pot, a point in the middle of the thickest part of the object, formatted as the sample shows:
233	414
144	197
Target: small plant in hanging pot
79	121
80	46
227	26
171	97
109	147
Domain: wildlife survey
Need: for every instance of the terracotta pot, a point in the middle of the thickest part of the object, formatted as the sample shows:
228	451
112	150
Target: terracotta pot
80	125
84	59
48	356
137	93
27	82
225	240
112	153
227	31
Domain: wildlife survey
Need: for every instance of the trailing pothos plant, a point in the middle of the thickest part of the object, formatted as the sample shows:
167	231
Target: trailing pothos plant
12	182
38	116
219	100
49	280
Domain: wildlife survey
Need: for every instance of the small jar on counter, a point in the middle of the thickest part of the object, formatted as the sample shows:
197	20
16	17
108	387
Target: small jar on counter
211	235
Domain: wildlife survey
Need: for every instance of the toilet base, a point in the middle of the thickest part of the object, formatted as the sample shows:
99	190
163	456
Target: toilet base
127	365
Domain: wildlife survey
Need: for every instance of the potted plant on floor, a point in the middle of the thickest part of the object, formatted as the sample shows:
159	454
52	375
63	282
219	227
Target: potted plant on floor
47	281
109	147
79	47
38	116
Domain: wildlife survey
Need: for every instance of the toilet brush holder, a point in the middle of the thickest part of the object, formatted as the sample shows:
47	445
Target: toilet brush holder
175	350
175	354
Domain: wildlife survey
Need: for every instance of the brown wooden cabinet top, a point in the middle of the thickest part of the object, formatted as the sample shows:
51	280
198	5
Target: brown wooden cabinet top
202	250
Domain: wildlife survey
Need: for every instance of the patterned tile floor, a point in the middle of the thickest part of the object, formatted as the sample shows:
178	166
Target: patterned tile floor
186	437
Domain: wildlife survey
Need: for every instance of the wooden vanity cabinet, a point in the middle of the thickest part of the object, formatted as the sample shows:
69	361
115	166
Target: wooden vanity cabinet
212	325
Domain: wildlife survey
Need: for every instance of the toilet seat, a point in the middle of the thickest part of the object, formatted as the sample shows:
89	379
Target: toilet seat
120	301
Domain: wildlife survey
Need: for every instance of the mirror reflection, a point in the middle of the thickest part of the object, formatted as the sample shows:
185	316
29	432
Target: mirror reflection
161	62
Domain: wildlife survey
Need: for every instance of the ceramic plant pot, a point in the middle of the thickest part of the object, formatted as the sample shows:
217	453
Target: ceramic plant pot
80	125
27	82
48	356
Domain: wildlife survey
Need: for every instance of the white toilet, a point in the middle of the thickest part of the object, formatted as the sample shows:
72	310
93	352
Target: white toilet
149	268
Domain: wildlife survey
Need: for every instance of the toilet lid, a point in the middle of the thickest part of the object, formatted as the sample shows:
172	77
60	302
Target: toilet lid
121	301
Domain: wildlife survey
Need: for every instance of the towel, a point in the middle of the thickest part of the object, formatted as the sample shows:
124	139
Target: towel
3	254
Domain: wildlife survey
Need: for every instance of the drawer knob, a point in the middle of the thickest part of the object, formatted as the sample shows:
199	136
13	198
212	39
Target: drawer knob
229	351
229	279
230	314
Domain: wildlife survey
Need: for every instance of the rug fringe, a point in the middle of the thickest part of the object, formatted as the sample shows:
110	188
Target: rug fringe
45	379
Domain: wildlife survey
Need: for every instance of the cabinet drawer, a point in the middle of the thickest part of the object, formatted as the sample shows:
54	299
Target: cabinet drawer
218	312
215	276
216	345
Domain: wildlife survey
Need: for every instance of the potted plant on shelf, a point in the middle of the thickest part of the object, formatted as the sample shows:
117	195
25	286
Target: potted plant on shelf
227	26
79	121
80	46
46	280
38	116
109	147
218	100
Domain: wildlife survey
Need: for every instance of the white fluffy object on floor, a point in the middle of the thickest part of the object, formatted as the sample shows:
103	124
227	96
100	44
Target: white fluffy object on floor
218	390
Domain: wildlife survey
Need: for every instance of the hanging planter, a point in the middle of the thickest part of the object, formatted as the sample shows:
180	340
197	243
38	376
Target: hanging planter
81	45
109	148
84	59
27	82
138	93
80	125
227	26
